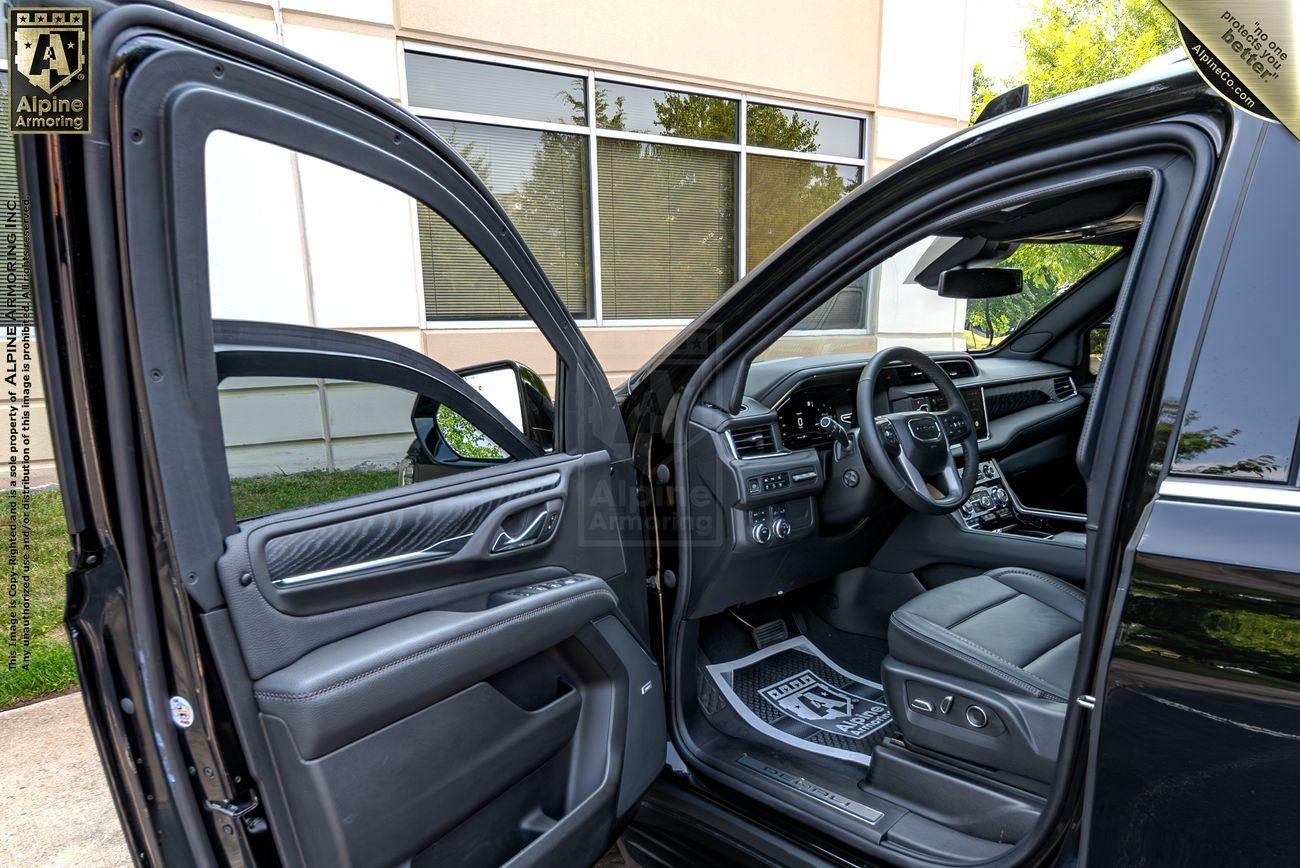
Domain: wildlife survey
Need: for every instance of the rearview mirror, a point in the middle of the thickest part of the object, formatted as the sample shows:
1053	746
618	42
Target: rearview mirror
980	282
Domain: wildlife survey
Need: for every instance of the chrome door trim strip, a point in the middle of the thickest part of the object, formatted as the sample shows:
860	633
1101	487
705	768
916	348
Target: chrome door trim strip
436	552
1238	493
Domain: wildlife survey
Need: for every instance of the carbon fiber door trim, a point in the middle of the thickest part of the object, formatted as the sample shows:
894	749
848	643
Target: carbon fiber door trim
434	530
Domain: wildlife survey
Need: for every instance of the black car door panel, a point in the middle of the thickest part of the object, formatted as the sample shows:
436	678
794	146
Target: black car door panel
347	689
451	671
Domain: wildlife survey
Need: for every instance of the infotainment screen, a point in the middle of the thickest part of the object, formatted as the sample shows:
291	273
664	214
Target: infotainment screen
935	402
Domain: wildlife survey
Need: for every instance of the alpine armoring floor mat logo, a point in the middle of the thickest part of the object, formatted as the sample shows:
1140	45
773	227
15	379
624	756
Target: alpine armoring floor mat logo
793	694
808	698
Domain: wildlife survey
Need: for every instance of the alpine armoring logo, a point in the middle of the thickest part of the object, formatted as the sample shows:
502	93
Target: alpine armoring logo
49	73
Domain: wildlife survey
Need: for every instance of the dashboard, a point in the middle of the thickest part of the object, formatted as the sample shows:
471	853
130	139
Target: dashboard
783	512
799	414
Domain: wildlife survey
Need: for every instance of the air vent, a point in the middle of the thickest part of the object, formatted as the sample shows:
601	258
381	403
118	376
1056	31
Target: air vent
751	441
1063	387
958	368
955	368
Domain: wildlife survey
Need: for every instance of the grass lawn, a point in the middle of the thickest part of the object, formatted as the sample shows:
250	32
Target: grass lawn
49	668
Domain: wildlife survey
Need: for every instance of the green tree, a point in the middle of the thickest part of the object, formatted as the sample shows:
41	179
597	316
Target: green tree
1068	45
1047	270
1073	44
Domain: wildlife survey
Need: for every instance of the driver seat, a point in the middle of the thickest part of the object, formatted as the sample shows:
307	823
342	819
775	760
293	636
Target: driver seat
980	669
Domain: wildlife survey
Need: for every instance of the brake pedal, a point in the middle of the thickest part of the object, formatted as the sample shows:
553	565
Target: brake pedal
770	633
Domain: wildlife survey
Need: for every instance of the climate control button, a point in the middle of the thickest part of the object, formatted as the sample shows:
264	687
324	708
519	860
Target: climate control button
761	533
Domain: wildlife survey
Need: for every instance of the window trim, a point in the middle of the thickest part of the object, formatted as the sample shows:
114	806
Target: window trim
590	76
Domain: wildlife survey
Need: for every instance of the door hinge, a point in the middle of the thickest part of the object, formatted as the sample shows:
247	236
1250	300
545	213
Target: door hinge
1086	701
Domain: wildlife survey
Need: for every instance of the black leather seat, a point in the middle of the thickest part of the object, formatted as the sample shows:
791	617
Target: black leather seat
1005	644
1010	628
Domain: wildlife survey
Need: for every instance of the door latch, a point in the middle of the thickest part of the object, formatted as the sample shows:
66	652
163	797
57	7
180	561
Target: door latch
234	810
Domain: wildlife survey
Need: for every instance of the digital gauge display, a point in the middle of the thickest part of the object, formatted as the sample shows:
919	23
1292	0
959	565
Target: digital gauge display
799	417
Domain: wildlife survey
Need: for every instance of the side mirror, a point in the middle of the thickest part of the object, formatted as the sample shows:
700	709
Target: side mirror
519	394
980	282
515	391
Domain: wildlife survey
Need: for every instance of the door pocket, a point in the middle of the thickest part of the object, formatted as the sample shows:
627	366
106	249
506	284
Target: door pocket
468	749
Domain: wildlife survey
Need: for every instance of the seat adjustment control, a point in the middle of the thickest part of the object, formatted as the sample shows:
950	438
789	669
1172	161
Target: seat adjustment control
922	705
977	717
945	704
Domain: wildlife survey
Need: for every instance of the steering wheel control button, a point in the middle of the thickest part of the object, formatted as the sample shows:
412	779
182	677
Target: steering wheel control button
887	433
956	428
851	478
924	706
977	717
761	533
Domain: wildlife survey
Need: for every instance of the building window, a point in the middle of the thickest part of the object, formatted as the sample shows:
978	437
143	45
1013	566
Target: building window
667	228
540	178
643	202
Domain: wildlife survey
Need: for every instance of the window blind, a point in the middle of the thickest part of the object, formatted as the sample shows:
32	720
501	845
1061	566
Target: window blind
783	195
667	228
540	179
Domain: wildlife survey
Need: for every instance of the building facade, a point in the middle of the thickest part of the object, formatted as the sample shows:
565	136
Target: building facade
650	153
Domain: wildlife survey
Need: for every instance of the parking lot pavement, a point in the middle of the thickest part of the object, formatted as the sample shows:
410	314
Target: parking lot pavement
54	804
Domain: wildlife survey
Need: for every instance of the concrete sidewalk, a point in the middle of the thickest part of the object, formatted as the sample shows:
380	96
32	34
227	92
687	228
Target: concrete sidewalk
54	804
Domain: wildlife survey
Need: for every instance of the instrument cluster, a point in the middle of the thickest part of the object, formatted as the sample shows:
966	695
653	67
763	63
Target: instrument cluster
800	416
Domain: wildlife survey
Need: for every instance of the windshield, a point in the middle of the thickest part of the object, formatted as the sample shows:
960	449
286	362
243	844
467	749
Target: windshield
884	308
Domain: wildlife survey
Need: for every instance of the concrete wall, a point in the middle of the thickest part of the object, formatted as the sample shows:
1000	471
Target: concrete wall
305	242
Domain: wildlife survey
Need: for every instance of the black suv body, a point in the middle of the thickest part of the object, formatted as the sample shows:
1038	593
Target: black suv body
522	662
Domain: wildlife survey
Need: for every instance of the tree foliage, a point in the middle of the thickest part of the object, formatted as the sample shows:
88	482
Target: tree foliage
1048	270
1068	45
1073	44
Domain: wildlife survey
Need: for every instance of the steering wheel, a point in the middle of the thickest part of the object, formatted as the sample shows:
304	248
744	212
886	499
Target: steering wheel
909	451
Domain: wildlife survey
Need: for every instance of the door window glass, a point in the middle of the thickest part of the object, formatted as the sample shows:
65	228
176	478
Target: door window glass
1243	408
1096	348
298	241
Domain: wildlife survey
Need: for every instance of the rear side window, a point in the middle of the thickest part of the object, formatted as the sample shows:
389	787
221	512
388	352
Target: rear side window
1243	409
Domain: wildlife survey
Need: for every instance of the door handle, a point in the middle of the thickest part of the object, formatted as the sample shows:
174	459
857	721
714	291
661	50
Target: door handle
531	533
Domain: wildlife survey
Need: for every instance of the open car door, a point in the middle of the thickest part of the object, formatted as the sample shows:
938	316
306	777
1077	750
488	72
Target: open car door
449	671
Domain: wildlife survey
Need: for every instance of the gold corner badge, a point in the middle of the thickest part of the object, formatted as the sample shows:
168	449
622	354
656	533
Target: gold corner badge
49	70
1243	48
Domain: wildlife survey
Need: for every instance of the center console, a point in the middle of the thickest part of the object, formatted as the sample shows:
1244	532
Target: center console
994	508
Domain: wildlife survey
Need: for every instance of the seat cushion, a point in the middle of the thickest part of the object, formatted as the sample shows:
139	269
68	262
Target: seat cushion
1010	628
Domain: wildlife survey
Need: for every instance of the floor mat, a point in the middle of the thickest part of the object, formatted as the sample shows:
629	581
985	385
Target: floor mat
792	692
